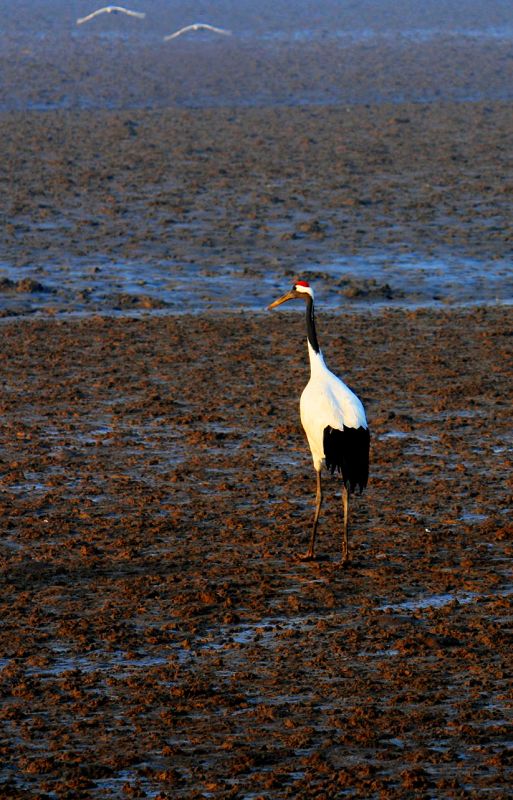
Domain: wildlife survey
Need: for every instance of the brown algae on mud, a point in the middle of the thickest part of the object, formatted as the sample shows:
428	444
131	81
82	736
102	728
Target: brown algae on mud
158	635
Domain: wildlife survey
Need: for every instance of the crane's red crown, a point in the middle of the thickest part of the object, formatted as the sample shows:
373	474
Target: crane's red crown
302	283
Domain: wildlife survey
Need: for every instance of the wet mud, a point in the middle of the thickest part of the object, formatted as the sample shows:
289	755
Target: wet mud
159	637
191	210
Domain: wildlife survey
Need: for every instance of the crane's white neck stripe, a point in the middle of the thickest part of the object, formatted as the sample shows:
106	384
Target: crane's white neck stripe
304	289
316	359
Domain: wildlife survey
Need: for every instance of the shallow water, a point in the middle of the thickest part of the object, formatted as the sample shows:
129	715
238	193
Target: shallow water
95	284
441	600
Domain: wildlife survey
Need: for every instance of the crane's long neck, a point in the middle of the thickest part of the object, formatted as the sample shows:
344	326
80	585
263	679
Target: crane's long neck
310	326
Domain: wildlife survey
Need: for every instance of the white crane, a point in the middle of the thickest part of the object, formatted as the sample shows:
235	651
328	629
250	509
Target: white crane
197	26
111	10
334	421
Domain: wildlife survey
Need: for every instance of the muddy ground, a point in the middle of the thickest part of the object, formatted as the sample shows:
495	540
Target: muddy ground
265	188
191	209
159	637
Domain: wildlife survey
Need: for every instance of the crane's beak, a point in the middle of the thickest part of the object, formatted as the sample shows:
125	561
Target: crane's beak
291	295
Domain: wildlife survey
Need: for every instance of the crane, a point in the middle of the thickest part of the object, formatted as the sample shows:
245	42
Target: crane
334	421
197	26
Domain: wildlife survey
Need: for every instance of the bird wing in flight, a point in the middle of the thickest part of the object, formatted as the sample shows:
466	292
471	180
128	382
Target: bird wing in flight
197	26
109	10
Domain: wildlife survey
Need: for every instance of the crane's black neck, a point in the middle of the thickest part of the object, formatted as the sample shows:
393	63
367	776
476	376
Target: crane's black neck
310	324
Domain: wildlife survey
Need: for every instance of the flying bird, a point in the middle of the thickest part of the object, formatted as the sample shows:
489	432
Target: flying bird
334	421
111	10
198	26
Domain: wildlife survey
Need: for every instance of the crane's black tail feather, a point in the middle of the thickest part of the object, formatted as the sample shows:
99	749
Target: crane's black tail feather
347	451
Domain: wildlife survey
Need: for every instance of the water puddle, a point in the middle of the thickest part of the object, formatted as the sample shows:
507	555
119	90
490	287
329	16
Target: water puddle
472	517
393	434
431	601
85	286
121	785
441	600
116	662
389	653
420	280
263	633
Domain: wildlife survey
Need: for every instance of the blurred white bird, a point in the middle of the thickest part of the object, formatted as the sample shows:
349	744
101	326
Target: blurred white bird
198	26
111	10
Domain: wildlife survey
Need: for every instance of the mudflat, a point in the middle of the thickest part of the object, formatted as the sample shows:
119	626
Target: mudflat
160	637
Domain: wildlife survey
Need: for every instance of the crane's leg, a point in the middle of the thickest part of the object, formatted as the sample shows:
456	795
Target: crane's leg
310	554
345	501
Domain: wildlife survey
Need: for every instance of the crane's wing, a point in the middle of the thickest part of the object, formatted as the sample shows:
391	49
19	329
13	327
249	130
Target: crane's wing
216	30
179	32
197	26
138	14
336	428
331	402
109	10
347	451
94	14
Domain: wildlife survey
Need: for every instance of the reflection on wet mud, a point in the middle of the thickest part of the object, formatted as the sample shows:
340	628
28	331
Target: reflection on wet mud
86	287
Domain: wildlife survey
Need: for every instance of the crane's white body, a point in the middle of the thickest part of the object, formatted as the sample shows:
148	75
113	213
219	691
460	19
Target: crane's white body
326	400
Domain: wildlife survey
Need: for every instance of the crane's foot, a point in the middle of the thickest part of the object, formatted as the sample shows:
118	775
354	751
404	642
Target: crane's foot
308	556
